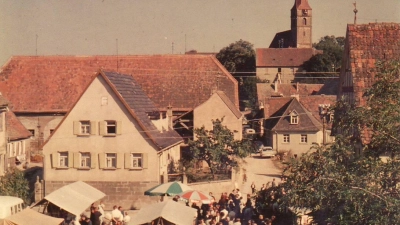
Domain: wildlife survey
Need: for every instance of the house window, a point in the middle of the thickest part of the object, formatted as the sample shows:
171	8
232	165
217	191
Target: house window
304	21
303	138
111	160
294	119
32	132
85	160
279	69
136	159
85	127
111	127
286	138
63	159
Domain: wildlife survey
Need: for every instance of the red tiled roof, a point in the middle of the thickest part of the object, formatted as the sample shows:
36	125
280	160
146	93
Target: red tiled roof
311	103
273	105
301	4
283	57
366	45
15	129
54	83
265	90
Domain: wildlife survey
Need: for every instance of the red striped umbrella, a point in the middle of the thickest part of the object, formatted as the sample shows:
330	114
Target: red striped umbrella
196	196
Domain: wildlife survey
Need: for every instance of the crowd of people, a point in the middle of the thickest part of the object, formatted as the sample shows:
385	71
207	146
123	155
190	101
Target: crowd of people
98	216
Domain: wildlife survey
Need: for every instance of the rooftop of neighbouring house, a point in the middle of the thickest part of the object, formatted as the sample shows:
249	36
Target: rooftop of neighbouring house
53	83
284	57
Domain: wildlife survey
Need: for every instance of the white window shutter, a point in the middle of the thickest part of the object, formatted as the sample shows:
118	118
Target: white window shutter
120	160
145	159
119	127
93	160
77	127
93	127
102	160
77	160
55	160
70	159
128	163
102	127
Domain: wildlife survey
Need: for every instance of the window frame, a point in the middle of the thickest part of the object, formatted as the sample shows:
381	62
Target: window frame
85	127
294	119
286	138
87	158
303	138
113	160
63	158
109	125
139	157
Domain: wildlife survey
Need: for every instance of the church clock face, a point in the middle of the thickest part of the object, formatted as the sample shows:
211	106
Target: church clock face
305	12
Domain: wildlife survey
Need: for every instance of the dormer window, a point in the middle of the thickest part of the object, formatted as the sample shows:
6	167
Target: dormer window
294	117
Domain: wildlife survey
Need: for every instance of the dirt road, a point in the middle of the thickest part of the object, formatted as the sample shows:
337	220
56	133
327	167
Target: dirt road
260	171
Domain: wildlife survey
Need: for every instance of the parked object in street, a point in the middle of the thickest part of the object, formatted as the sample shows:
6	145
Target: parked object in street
267	152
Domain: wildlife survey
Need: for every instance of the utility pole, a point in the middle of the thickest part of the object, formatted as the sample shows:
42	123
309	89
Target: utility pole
324	112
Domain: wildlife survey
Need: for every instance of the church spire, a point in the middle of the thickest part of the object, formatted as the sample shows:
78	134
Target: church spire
301	25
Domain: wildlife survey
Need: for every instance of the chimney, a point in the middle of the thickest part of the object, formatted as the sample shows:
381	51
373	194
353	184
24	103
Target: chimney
169	116
276	86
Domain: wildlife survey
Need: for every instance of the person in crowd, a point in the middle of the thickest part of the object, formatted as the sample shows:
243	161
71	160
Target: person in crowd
84	220
127	218
101	210
95	215
116	215
253	188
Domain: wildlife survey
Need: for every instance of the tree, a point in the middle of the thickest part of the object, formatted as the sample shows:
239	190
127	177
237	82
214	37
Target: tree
339	184
13	183
218	147
238	57
331	58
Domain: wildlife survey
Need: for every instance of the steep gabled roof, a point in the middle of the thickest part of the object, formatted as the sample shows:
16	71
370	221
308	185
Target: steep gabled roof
283	57
15	129
140	106
306	121
311	103
41	83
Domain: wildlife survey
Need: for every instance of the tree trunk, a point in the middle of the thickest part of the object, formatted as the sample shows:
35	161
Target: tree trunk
211	169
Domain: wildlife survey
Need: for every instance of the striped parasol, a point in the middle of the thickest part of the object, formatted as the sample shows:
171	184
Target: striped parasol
196	196
170	189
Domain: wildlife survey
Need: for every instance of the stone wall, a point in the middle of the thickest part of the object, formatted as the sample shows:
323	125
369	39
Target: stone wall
129	195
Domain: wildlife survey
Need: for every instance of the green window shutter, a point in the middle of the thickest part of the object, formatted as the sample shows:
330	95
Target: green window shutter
93	127
102	127
102	160
93	160
77	127
145	159
70	159
128	161
119	127
77	157
54	160
120	160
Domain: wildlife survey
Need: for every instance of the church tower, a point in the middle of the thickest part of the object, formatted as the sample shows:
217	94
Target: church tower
301	24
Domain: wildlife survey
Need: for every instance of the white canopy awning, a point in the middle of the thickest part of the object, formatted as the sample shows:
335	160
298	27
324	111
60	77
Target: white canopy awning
171	211
75	198
30	216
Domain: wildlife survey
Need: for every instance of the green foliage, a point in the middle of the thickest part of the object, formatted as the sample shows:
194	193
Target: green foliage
217	147
329	61
347	182
238	57
13	183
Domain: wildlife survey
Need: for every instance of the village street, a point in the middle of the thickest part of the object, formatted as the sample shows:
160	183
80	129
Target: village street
260	171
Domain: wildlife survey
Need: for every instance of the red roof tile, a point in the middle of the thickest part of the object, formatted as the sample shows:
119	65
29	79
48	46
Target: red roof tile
311	103
283	57
366	44
15	129
54	83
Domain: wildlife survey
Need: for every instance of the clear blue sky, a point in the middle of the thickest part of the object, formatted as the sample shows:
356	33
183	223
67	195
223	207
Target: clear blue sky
91	27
